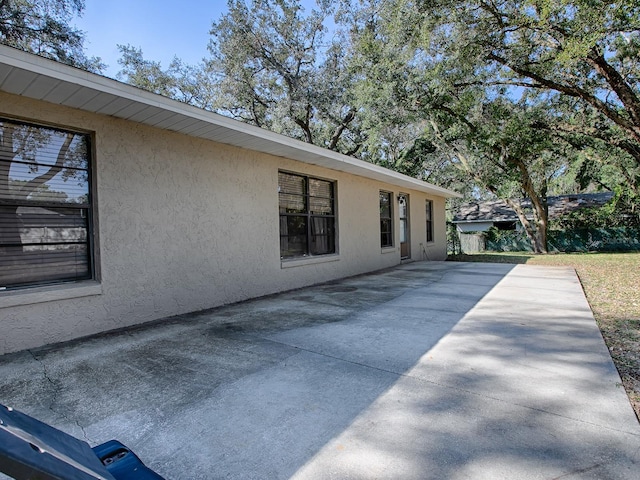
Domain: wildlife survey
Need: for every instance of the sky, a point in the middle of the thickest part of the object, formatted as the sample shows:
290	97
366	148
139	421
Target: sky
161	28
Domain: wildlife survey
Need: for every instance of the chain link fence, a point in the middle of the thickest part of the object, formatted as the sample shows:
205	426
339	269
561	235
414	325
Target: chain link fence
579	240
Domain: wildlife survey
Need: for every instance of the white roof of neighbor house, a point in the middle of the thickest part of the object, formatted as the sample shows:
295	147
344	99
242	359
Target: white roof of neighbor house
39	78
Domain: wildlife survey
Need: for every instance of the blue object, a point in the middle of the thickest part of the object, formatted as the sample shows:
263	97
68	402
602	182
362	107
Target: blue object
31	449
122	463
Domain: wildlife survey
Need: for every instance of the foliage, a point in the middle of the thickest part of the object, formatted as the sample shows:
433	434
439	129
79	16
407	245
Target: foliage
621	211
508	98
580	49
42	27
581	58
275	70
186	83
454	246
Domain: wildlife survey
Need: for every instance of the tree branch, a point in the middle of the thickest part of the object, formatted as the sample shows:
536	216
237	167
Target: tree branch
34	183
351	114
573	92
632	148
304	124
625	93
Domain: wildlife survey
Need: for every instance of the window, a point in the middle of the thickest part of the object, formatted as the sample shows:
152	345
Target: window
429	217
307	216
403	223
45	205
386	223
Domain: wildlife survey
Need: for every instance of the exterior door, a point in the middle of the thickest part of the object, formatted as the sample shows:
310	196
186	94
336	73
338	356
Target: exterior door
403	209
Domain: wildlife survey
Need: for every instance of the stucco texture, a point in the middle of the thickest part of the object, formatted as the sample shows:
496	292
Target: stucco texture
184	224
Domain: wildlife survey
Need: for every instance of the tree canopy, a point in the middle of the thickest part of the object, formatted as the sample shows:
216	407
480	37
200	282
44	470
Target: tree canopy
276	69
186	83
43	27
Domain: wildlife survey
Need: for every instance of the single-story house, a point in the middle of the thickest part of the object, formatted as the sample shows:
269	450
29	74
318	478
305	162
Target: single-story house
481	216
119	206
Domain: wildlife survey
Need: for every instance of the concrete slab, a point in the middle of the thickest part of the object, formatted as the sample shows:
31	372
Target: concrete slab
428	370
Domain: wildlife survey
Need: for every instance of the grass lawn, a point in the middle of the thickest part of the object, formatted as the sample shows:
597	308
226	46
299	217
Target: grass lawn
611	282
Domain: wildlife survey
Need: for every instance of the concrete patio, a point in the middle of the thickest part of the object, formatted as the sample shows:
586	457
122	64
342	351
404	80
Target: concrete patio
429	370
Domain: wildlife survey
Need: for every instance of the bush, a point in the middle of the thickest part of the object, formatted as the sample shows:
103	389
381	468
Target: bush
622	211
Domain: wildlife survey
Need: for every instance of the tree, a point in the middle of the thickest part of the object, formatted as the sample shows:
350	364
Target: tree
43	27
269	66
275	71
580	52
186	83
498	147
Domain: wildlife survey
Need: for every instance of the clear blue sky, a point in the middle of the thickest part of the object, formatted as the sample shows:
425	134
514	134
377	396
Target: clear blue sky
161	28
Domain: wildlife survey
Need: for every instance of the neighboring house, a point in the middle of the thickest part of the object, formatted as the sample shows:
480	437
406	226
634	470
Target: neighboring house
481	216
118	207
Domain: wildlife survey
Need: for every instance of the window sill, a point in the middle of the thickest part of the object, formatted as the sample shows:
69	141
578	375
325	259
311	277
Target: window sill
299	262
49	293
388	250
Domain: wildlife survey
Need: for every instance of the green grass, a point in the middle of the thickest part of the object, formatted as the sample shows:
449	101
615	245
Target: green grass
611	282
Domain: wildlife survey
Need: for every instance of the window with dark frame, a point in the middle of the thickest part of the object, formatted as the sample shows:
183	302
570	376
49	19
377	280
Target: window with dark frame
386	221
429	217
45	205
307	215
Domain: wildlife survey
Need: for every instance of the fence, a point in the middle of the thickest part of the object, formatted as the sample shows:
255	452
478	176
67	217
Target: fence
583	240
596	239
472	242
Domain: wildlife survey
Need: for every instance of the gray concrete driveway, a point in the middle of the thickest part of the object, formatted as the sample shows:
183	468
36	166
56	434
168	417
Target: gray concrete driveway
426	371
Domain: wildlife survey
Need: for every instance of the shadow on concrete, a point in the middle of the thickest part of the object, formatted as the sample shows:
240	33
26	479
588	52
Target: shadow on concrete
422	371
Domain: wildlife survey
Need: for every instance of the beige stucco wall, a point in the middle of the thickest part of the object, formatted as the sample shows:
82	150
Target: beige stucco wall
185	224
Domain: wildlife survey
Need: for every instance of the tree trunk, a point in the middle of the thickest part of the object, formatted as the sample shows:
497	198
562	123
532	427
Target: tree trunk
536	232
537	235
541	238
